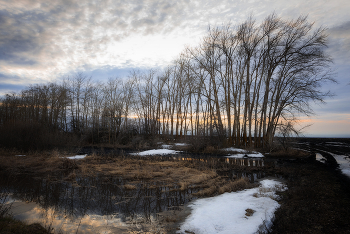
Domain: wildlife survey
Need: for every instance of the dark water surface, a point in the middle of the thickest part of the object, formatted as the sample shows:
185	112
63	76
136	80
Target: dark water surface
101	204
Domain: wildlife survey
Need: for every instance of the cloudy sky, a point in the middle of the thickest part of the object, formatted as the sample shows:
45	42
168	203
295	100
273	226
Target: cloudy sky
44	40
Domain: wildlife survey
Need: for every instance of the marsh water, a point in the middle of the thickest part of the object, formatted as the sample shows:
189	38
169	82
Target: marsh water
102	204
90	204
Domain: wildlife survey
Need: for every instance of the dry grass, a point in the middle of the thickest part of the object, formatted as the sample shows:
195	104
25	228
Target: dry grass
152	172
220	185
206	192
249	212
183	185
71	176
290	153
129	186
240	184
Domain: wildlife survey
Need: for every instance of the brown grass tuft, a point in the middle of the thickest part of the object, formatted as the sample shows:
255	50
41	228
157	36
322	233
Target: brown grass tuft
183	185
129	186
240	184
206	192
249	212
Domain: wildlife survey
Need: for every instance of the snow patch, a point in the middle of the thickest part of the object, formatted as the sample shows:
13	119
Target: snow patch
181	144
255	155
237	212
166	146
241	153
156	152
320	158
77	156
344	163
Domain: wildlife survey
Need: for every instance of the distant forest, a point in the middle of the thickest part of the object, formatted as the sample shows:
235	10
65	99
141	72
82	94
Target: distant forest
242	84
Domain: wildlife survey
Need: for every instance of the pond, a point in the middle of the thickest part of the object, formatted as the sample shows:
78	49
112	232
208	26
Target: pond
104	204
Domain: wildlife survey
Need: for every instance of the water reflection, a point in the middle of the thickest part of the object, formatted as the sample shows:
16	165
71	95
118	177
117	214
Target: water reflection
249	162
239	167
56	219
103	200
102	204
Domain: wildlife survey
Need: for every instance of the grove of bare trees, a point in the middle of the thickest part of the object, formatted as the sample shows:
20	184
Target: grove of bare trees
240	84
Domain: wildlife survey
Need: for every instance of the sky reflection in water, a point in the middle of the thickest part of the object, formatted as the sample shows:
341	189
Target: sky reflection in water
100	204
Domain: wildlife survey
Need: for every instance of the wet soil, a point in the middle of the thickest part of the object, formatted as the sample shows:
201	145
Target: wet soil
318	195
317	200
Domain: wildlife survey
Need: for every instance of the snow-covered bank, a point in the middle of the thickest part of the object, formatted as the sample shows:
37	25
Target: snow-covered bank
241	153
344	163
342	160
320	158
237	212
155	152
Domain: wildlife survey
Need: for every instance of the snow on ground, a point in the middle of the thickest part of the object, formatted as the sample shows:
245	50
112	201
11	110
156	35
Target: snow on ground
344	163
155	152
240	212
255	155
241	153
320	158
342	160
164	146
77	156
181	144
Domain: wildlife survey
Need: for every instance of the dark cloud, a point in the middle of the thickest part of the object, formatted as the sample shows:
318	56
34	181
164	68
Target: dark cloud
34	32
19	36
8	88
343	29
7	79
339	42
10	84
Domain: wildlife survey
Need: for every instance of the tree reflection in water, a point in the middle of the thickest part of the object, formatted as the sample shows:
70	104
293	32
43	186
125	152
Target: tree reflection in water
95	204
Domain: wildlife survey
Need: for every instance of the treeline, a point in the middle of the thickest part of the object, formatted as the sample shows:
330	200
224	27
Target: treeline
240	84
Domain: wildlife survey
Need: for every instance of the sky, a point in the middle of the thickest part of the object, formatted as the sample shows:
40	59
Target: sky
42	41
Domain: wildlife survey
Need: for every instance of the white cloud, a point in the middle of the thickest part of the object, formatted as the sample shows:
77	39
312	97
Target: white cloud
54	38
